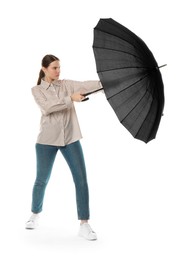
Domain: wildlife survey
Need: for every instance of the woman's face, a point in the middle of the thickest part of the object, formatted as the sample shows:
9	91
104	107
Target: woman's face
52	72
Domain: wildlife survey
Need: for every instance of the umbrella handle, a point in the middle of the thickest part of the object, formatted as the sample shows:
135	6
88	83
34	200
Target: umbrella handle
85	99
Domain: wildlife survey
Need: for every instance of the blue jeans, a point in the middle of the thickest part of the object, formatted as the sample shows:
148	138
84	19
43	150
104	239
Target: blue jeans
73	154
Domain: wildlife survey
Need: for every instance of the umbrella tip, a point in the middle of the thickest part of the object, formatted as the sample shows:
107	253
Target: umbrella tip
161	66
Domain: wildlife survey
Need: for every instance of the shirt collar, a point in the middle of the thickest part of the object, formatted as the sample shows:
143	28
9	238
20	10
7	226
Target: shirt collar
46	85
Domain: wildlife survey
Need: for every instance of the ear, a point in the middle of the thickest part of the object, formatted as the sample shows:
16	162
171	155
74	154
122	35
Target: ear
44	69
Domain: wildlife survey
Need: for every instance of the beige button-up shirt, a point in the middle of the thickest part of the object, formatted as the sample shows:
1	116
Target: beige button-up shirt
59	125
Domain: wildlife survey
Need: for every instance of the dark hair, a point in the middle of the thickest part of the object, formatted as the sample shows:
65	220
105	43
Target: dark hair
46	61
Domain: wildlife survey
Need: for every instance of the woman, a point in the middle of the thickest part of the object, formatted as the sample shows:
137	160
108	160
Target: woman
60	130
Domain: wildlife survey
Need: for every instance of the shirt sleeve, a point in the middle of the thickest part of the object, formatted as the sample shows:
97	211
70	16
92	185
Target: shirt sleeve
83	87
49	106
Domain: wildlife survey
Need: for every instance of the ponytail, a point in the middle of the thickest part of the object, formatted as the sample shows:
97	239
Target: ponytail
41	75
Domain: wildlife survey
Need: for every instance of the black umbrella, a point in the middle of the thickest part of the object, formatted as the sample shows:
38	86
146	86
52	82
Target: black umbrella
130	77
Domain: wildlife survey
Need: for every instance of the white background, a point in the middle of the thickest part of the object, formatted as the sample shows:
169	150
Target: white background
141	195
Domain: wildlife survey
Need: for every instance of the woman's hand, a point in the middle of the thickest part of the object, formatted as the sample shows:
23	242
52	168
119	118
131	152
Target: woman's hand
77	97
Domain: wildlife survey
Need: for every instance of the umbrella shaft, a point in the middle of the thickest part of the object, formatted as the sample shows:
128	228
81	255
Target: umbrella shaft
92	92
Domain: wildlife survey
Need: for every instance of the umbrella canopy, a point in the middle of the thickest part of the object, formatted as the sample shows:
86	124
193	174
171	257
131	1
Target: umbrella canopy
130	77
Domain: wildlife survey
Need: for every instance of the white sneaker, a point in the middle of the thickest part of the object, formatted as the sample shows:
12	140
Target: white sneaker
86	232
32	223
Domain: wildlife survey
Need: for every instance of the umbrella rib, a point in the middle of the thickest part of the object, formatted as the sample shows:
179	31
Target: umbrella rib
143	123
127	67
129	86
104	48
